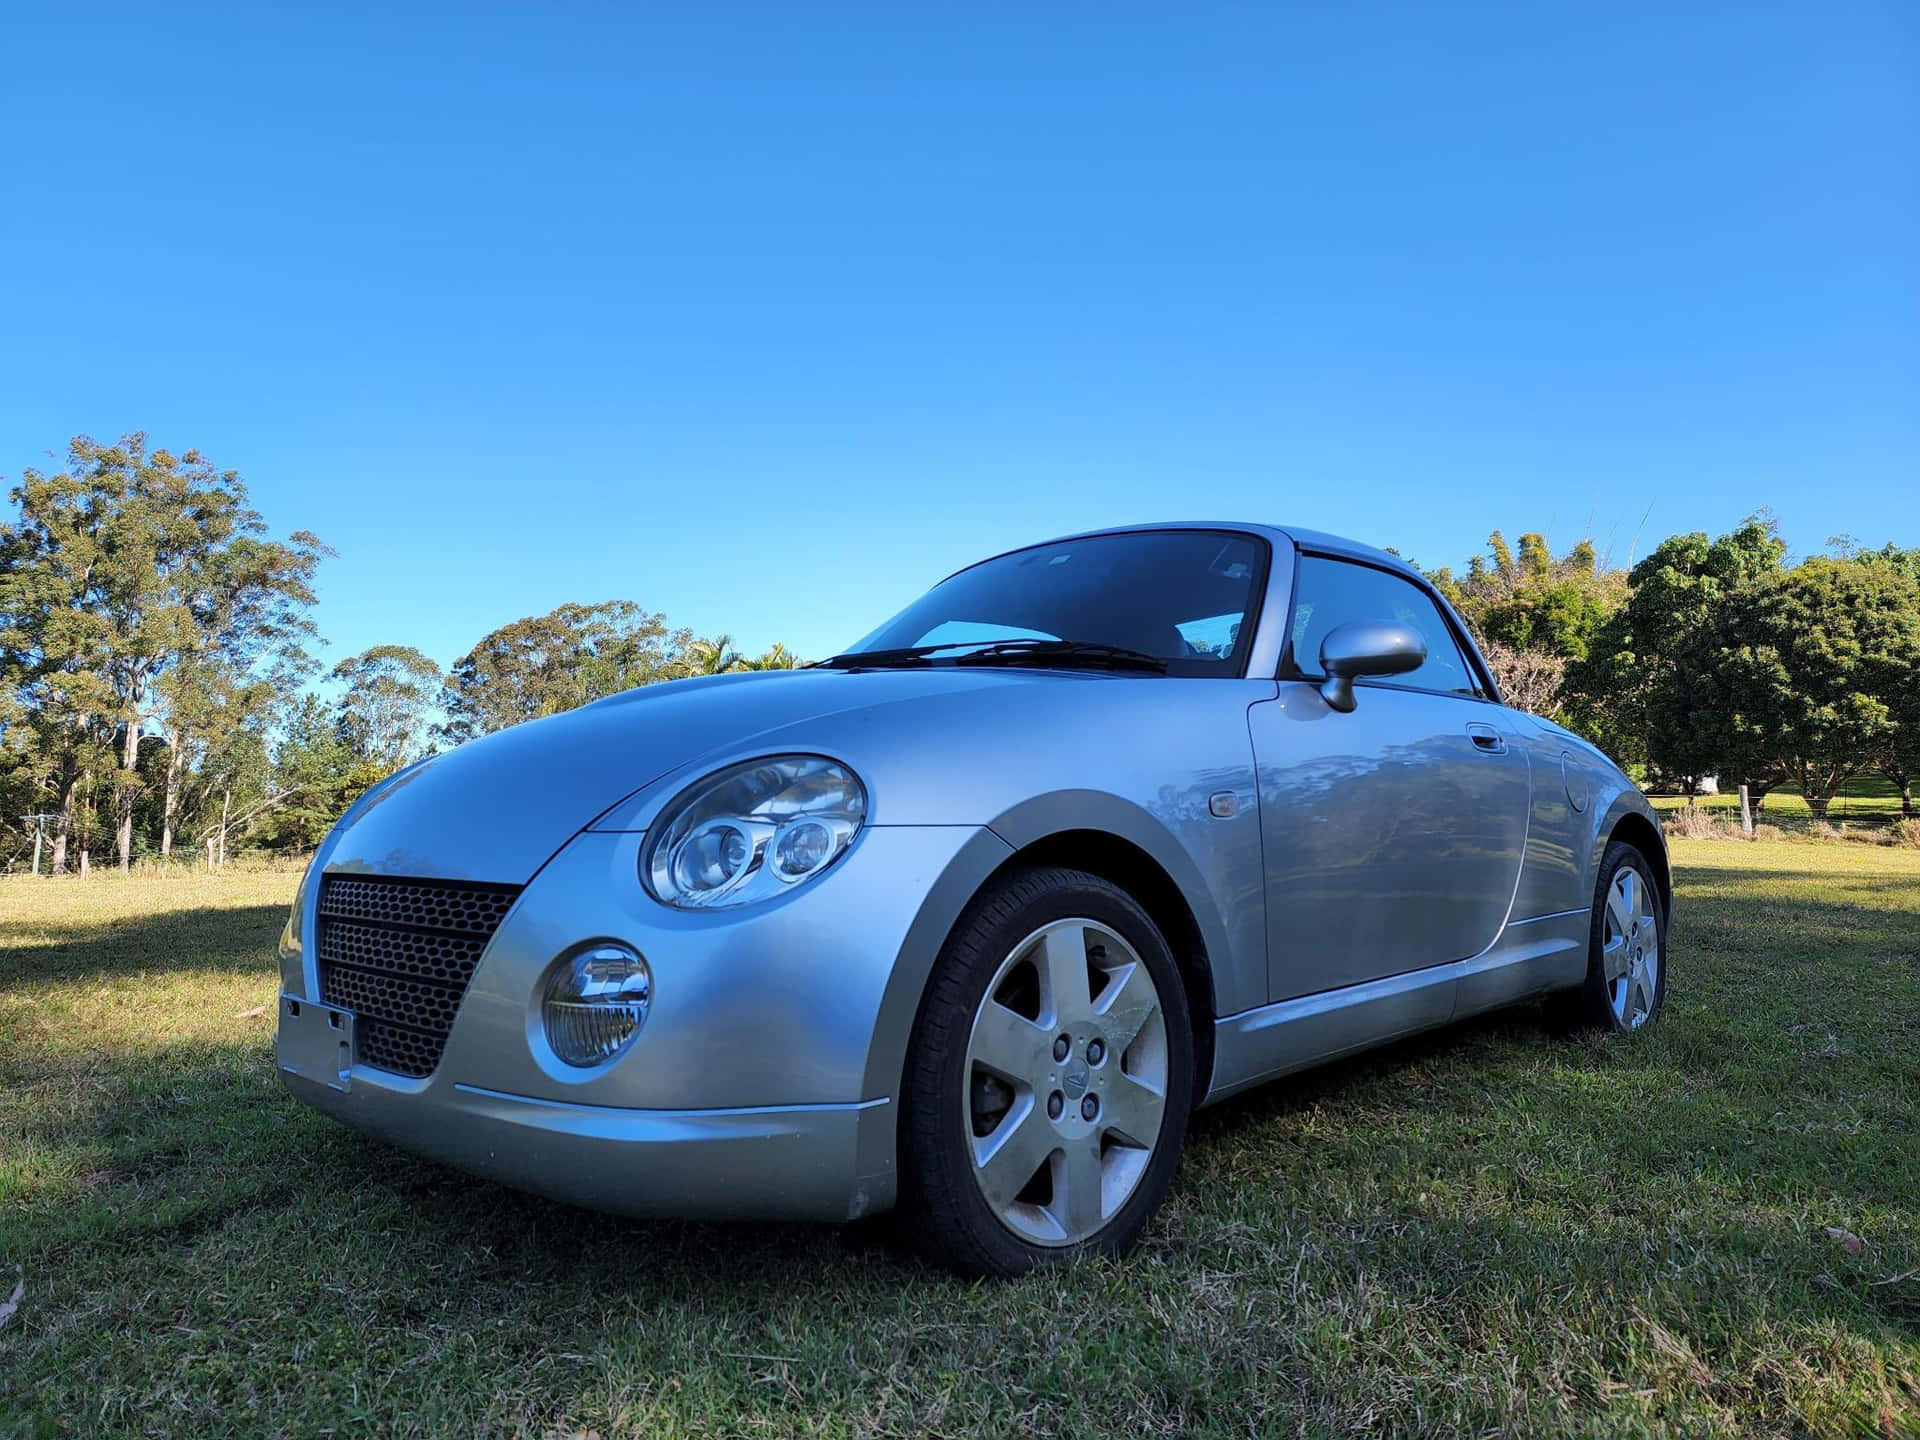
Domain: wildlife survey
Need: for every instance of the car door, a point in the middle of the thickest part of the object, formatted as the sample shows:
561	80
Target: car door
1392	834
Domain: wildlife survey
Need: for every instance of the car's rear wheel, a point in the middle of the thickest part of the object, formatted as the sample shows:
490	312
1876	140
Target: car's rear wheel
1626	982
1050	1077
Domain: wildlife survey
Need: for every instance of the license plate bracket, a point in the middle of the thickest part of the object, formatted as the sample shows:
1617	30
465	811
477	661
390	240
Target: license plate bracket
315	1042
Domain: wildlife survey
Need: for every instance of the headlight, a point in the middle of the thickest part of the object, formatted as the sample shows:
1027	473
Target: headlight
596	1003
751	831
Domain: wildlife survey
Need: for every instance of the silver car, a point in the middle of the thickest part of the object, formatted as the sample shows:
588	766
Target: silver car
968	919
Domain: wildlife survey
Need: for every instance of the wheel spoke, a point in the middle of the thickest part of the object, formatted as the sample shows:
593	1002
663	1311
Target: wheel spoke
1133	1109
1076	1187
1615	958
1642	997
1063	971
1007	1042
1011	1156
1126	1006
1620	903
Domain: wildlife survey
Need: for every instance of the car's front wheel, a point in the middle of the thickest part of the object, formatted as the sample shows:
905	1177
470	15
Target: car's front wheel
1626	982
1050	1076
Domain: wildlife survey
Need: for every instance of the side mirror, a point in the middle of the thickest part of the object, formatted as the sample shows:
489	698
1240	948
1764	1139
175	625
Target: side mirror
1366	647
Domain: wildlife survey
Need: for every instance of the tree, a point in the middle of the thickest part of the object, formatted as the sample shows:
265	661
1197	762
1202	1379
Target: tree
390	691
1816	663
1532	614
1530	680
712	657
775	657
1646	688
311	772
549	663
141	560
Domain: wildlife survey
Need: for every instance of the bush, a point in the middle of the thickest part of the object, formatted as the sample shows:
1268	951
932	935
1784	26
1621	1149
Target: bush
1768	832
1692	822
1906	832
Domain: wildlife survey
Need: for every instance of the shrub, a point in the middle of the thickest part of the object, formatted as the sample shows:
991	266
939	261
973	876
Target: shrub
1906	832
1692	822
1768	832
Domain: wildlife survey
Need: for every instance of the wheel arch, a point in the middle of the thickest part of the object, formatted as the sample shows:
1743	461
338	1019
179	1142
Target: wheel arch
1641	833
1101	834
1124	864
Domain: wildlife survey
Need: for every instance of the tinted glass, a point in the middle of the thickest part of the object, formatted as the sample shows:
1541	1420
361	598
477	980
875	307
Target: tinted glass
1188	597
1328	593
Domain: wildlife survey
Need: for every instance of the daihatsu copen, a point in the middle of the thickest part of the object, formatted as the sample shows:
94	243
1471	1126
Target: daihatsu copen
968	919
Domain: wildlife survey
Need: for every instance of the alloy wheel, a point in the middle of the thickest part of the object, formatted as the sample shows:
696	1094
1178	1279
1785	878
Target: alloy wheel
1630	949
1066	1082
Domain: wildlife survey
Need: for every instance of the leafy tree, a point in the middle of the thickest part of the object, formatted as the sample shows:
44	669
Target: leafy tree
390	691
1531	601
1533	614
313	773
549	663
775	657
134	560
713	657
1815	663
1646	688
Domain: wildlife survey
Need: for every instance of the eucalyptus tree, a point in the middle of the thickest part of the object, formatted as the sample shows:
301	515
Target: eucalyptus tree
544	664
131	562
391	691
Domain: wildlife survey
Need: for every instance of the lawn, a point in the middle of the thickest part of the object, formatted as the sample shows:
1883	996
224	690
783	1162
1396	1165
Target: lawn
1712	1229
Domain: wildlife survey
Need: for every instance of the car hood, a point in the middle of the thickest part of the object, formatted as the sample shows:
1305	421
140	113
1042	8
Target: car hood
496	808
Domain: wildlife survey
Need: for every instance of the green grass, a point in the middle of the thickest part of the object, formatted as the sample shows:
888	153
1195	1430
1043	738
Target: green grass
1486	1230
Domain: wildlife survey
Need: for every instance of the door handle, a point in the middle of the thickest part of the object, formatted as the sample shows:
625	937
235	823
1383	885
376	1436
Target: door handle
1487	739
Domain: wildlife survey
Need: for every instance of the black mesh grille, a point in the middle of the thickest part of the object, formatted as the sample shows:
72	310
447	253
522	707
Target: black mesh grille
399	954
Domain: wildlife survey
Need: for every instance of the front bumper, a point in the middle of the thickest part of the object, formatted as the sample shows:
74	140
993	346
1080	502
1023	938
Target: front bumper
800	1162
764	1079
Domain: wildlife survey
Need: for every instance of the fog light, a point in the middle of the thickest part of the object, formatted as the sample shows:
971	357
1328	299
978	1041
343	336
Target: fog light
596	1004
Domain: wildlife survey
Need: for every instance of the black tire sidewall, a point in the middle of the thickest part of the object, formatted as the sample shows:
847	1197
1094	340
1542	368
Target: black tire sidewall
935	1153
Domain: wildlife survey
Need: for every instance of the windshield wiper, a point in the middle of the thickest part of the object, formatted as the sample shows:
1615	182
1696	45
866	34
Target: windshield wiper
1063	653
898	657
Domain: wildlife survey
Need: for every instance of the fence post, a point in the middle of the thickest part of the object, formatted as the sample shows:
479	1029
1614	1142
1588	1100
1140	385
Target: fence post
1746	814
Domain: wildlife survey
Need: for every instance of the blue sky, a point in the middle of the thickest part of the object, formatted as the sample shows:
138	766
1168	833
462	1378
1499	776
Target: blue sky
770	316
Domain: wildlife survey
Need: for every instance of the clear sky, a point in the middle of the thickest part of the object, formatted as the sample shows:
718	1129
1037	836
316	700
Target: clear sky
770	316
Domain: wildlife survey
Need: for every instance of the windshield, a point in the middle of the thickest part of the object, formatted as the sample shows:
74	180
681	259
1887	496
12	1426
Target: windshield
1188	597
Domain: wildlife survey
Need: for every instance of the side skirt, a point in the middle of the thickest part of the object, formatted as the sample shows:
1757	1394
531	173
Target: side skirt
1531	957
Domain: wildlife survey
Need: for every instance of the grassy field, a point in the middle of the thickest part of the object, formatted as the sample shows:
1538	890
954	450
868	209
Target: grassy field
1713	1229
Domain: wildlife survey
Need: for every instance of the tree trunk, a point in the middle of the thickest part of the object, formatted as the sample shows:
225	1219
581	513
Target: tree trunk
63	825
123	794
172	801
1817	803
226	805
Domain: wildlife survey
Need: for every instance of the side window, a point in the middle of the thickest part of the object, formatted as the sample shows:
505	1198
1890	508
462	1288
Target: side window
1327	593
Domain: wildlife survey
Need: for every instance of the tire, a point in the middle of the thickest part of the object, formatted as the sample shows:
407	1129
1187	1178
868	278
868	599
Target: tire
1599	1002
1009	1065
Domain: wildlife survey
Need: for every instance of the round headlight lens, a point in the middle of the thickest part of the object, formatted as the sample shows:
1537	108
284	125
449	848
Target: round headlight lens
596	1003
752	831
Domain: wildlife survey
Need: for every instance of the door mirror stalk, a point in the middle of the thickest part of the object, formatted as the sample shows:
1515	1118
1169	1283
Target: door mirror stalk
1366	647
